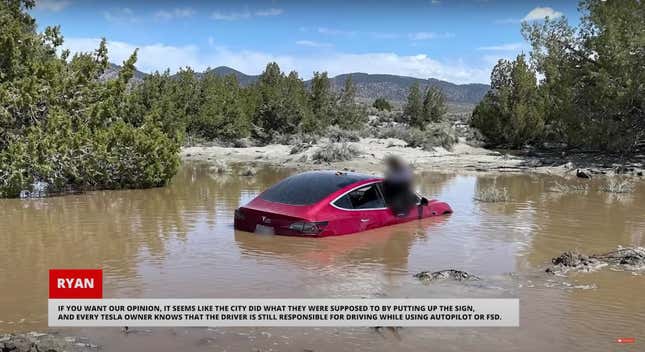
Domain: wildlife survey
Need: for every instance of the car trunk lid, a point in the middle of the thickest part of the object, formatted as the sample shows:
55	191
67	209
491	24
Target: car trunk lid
282	218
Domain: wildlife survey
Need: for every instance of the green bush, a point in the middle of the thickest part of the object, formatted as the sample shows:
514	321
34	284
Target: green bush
512	112
119	156
382	104
590	92
63	127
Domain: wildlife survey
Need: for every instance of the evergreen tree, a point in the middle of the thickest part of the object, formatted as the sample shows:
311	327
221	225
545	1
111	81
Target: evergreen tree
592	75
413	111
321	102
512	111
221	113
61	125
349	115
295	108
267	115
282	103
434	106
382	104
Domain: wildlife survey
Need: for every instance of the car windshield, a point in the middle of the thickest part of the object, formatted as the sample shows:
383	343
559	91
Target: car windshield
309	187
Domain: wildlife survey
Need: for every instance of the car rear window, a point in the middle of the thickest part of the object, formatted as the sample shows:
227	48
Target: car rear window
309	187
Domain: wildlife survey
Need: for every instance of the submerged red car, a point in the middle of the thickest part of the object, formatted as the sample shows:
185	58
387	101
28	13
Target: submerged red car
326	203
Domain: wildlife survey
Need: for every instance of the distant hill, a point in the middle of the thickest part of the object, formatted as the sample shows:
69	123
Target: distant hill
395	88
244	79
369	86
113	70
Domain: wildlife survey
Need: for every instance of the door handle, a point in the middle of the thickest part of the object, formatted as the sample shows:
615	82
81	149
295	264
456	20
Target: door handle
365	220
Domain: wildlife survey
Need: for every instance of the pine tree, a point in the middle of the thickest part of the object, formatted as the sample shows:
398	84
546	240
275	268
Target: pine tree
62	125
512	111
349	115
295	109
413	111
321	102
221	113
434	105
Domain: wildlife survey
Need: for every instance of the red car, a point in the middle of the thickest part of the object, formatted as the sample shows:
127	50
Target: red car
326	203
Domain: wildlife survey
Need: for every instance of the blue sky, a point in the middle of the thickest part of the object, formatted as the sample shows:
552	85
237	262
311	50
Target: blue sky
458	41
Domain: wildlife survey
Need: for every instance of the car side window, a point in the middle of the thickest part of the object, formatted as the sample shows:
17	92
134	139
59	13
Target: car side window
368	197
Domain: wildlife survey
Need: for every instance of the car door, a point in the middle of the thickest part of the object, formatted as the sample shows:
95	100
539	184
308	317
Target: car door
366	206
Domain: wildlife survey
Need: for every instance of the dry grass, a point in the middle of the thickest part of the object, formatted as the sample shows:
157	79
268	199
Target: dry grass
617	185
569	188
337	134
435	135
336	152
492	194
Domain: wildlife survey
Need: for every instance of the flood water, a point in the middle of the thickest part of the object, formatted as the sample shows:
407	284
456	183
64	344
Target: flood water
179	241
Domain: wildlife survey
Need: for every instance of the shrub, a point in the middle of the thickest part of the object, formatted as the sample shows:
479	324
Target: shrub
492	194
299	148
62	126
382	104
440	135
435	135
569	188
617	185
336	152
120	156
336	134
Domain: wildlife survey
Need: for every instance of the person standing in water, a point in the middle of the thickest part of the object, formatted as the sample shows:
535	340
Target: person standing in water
397	187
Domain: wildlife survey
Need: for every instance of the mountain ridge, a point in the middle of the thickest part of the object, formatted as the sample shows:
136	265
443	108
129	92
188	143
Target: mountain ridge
368	86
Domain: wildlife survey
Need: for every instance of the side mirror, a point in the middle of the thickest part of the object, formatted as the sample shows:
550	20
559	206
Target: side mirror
424	201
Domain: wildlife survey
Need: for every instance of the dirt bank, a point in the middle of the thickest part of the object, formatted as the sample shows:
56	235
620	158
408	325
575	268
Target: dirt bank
38	342
463	158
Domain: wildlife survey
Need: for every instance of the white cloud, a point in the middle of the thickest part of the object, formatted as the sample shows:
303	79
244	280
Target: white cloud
313	44
52	5
153	57
503	47
174	13
429	35
540	13
121	15
246	14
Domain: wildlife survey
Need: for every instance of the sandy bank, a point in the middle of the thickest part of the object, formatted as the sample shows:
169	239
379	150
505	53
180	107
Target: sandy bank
463	158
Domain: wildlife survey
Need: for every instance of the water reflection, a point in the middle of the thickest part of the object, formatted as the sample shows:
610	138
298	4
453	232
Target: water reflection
179	241
388	247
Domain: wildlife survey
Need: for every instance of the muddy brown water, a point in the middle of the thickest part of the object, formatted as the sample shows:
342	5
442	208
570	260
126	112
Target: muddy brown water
179	241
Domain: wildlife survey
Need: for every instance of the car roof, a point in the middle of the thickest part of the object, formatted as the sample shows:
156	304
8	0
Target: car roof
310	187
333	174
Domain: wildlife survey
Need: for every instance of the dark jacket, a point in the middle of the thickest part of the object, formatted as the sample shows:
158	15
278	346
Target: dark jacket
397	190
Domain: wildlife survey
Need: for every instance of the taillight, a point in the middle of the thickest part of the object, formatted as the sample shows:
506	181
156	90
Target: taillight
239	215
311	228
